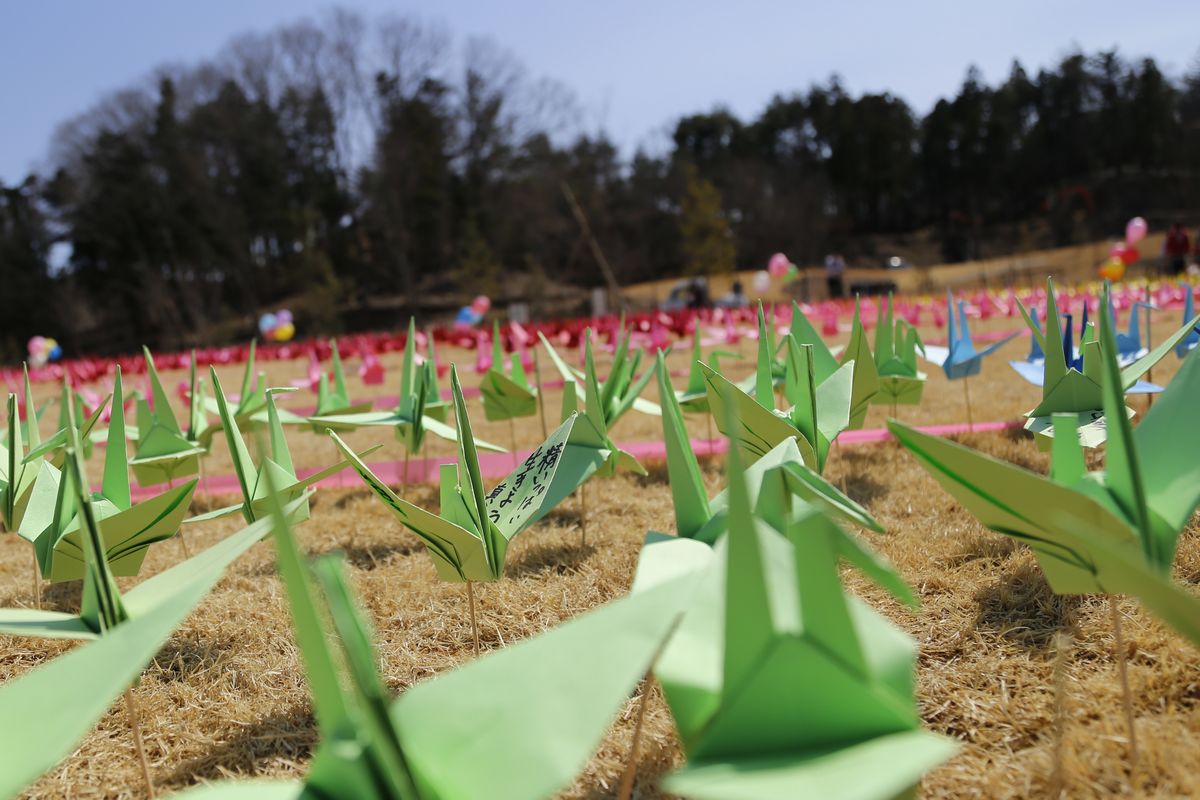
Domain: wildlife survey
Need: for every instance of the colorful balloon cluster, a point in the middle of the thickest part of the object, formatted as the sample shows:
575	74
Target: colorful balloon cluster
1125	253
43	349
277	327
470	316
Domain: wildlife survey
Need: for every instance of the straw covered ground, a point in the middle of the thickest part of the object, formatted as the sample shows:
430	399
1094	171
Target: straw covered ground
226	696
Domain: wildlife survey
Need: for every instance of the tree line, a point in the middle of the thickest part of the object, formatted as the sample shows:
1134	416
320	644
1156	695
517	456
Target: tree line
356	169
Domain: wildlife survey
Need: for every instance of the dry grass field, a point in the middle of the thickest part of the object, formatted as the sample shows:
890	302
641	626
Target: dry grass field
227	697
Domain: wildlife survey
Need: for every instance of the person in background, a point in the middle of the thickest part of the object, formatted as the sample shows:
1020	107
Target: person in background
1176	248
698	293
736	298
835	266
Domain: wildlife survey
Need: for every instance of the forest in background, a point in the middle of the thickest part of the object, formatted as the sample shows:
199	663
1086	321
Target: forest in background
357	169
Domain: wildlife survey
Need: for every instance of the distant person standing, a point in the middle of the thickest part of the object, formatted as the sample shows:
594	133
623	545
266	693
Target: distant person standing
1176	248
835	267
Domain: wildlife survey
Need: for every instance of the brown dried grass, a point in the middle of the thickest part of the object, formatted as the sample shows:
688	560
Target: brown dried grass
226	696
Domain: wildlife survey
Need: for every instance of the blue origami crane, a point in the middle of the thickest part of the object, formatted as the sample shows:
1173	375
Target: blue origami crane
960	359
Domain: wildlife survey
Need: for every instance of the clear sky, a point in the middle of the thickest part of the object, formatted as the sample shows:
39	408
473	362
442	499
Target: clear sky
634	64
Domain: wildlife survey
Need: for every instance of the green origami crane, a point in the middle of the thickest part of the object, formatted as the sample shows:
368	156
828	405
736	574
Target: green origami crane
820	407
771	610
896	345
53	524
68	695
1110	532
516	724
698	518
164	452
103	607
250	413
619	391
602	411
436	406
693	399
1067	390
70	406
335	401
866	375
468	541
506	396
276	469
16	474
410	419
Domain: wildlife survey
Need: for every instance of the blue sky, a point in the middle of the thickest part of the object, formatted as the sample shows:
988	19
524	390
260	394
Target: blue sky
634	65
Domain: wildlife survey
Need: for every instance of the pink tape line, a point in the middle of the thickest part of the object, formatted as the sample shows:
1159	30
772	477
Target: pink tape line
498	465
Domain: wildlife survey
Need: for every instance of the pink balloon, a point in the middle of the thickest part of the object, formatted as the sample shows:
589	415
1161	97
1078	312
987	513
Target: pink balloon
1135	230
778	265
481	304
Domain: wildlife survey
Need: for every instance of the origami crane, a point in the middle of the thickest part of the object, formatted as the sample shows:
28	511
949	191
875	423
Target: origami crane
70	407
470	537
16	474
331	402
276	469
866	378
693	399
619	391
1129	345
408	419
1192	339
436	406
53	522
68	695
866	375
771	607
103	607
696	517
250	412
1113	531
820	407
163	452
515	724
506	396
1033	371
960	359
896	346
1078	390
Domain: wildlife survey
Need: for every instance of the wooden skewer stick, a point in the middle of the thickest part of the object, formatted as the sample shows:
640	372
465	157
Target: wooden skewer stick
1062	649
404	488
582	517
474	624
1123	669
541	396
135	726
967	393
630	772
182	539
37	581
512	435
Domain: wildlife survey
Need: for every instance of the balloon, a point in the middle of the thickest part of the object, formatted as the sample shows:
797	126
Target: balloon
481	304
761	281
37	345
1113	269
1129	255
467	316
284	332
267	323
55	352
778	265
1135	230
283	316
